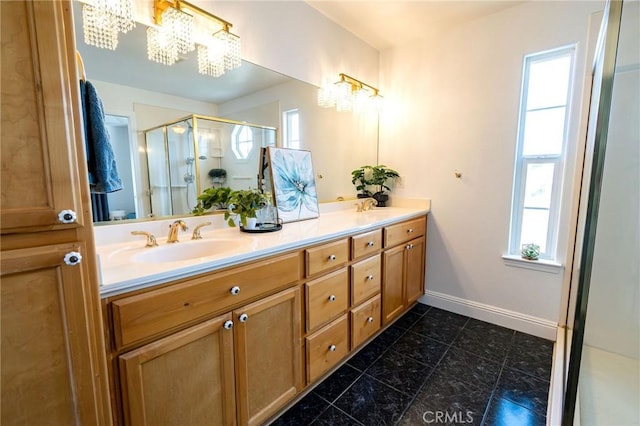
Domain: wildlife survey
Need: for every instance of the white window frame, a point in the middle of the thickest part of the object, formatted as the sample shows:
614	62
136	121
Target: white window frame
522	161
236	141
287	139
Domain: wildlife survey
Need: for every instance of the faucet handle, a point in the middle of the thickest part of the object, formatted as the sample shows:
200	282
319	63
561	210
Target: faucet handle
196	231
151	240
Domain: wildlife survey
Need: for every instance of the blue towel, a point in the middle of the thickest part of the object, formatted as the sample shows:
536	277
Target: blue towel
101	162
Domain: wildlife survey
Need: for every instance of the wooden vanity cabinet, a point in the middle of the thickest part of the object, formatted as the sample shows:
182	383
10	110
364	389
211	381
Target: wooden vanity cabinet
403	265
53	357
243	365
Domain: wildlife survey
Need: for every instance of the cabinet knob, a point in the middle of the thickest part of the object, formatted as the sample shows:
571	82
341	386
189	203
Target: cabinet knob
370	278
332	298
332	348
410	231
332	257
72	258
228	325
370	244
243	317
409	246
67	216
370	320
234	290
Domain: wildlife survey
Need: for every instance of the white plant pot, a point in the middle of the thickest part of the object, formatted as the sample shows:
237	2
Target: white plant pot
251	223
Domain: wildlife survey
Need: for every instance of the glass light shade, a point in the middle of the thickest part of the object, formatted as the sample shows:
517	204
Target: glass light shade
327	96
221	54
161	47
180	26
344	96
104	19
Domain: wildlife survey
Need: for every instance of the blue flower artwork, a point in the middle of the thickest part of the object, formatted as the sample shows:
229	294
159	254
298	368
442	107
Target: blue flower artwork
294	185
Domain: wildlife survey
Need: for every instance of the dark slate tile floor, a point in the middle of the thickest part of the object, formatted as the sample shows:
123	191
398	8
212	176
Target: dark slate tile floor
435	367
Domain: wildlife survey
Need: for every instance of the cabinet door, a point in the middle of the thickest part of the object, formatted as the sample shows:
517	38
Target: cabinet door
268	357
48	355
39	168
414	269
392	283
183	379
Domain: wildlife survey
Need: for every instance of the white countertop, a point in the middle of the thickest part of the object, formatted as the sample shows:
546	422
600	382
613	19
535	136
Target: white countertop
120	273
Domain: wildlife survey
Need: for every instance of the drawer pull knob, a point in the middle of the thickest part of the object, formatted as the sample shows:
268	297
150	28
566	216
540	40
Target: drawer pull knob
409	246
243	317
332	298
332	257
72	258
370	278
332	348
67	216
370	320
228	325
370	244
234	290
410	231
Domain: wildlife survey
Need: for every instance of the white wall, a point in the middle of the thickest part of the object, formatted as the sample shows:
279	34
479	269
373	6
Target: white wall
613	315
452	104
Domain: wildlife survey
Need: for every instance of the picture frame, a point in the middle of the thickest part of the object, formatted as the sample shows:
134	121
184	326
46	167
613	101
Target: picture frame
293	182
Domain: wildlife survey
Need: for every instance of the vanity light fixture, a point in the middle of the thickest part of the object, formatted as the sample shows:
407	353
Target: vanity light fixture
103	20
349	94
177	22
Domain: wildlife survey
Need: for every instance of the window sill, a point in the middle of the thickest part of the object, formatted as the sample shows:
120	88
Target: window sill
542	265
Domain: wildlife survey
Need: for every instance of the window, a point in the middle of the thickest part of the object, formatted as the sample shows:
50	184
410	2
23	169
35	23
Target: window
291	127
542	135
241	142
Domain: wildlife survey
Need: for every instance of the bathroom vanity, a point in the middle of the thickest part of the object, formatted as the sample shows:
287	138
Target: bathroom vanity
236	344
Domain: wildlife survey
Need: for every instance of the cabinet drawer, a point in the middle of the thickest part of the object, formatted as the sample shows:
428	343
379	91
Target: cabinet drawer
405	231
365	279
365	321
147	314
326	298
366	244
326	257
327	347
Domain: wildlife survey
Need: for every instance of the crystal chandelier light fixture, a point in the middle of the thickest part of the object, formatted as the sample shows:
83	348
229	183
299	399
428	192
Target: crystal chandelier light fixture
349	94
174	37
220	55
103	20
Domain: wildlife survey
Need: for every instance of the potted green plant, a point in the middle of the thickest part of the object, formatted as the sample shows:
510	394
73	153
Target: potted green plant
244	204
218	175
379	177
212	197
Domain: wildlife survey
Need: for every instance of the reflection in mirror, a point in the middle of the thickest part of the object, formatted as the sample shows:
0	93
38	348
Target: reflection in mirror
149	95
192	154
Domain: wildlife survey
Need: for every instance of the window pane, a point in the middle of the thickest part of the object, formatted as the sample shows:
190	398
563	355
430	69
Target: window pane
544	132
535	223
548	82
539	183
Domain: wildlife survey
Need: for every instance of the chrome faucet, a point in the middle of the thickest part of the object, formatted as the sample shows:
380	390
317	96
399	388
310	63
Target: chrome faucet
173	230
196	231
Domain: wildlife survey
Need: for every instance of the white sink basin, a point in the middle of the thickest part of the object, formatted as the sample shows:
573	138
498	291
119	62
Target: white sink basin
177	252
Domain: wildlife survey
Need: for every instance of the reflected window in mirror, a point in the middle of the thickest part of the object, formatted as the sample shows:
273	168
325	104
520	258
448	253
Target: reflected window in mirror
291	129
242	144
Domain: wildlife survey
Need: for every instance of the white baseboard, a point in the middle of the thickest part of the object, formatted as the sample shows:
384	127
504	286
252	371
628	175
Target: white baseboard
503	317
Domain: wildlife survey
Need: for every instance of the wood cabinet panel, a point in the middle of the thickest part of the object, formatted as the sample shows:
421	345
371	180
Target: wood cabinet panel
365	321
327	257
414	270
268	353
184	379
392	283
326	298
144	315
47	368
39	169
403	232
366	244
327	347
365	279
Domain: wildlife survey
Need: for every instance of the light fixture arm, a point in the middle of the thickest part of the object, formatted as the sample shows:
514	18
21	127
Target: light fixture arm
357	83
159	6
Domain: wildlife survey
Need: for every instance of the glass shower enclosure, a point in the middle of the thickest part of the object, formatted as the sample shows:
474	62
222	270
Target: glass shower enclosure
193	153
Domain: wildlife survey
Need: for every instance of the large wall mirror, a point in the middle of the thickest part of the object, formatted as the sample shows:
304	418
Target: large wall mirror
139	95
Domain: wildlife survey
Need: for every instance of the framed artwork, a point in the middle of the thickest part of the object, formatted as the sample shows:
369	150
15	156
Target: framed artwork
294	185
